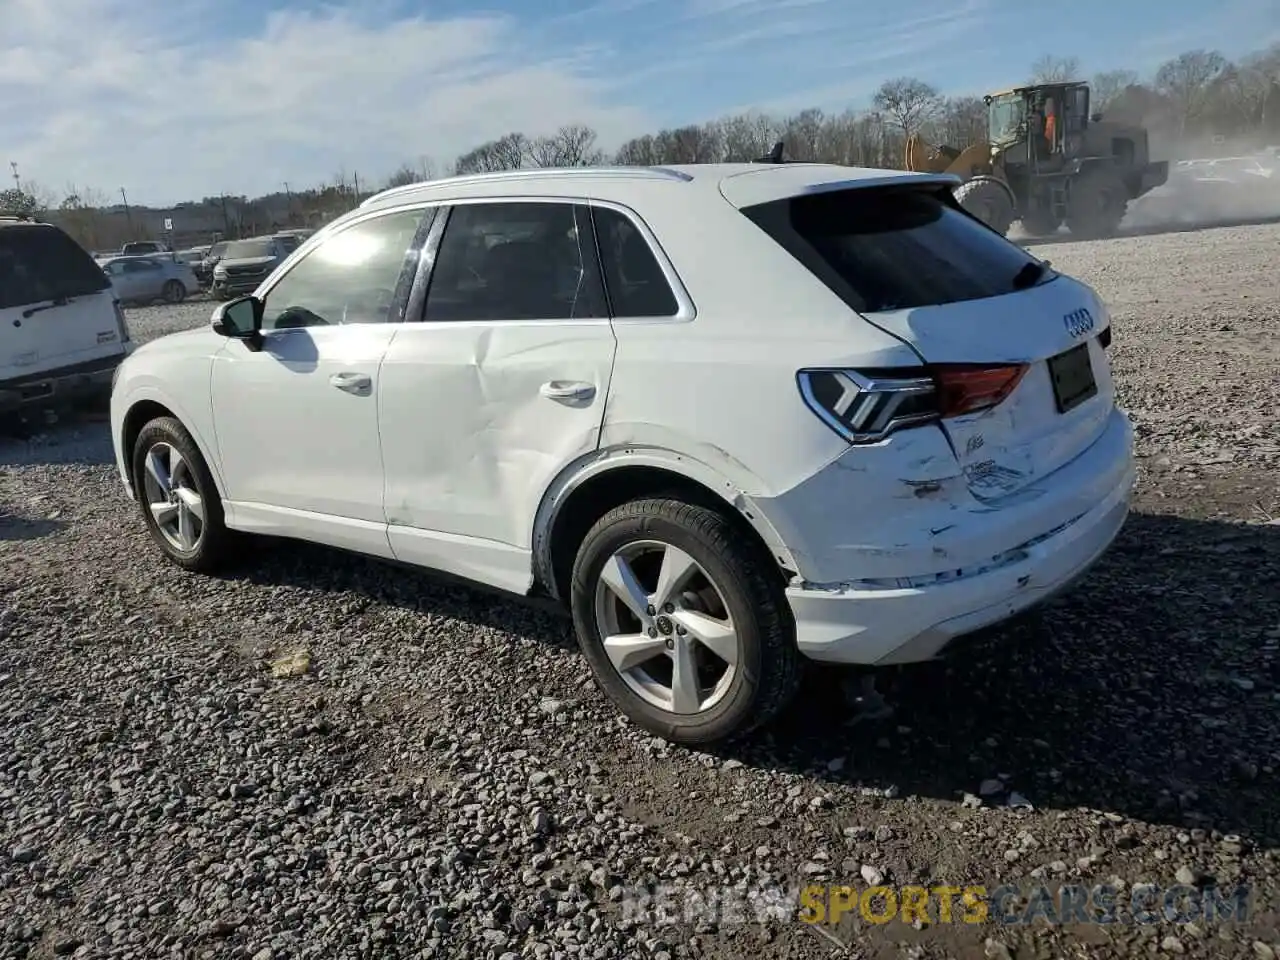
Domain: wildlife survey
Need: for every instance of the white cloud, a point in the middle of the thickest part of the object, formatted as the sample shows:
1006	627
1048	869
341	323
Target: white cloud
116	93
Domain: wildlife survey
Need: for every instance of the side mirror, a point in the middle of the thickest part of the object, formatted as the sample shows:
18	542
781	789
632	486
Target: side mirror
240	319
1095	117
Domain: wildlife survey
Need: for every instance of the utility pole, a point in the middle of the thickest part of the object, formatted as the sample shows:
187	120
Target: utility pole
288	200
128	216
355	179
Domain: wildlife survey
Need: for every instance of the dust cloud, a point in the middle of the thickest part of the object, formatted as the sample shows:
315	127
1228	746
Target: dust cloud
1209	188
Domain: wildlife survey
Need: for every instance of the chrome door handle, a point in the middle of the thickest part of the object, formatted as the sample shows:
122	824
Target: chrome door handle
567	390
357	383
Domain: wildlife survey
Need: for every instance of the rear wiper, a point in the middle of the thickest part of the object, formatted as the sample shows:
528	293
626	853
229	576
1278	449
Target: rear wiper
30	312
1029	274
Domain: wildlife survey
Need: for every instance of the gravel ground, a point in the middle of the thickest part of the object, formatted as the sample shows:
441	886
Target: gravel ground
443	779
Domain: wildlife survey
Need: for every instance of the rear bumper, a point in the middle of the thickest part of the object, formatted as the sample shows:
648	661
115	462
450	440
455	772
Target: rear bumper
65	385
863	622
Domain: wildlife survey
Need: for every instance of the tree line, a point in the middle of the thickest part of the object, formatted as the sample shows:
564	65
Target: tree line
1197	102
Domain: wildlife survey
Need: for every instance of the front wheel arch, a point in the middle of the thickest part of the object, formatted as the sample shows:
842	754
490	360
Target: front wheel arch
143	412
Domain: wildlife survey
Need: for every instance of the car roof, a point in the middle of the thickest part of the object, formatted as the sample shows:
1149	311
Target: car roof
742	184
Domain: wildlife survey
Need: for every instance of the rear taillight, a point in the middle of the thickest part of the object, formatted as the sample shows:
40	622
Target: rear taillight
864	406
965	388
121	324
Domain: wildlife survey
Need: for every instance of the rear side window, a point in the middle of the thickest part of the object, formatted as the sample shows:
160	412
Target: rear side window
895	248
39	263
636	284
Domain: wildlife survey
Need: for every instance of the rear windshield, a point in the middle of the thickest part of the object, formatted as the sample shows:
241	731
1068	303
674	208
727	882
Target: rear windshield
40	263
247	249
895	248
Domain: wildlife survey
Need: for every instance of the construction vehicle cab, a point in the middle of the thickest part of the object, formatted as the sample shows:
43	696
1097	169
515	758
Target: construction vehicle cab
1048	161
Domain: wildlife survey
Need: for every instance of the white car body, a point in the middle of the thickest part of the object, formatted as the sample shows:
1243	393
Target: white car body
464	440
62	333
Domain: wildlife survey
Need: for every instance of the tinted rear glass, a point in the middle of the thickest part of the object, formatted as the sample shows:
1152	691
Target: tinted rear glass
895	248
39	263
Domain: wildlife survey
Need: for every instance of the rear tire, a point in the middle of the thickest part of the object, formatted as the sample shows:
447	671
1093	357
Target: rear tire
179	499
1098	202
988	201
174	292
716	657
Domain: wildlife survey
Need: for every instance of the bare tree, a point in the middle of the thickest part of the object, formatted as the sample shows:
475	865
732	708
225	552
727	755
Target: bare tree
1186	81
570	146
746	136
1051	69
508	152
962	121
1108	85
803	135
404	176
908	102
639	152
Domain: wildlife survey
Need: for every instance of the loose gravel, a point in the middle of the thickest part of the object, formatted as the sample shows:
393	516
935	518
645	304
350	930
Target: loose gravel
320	756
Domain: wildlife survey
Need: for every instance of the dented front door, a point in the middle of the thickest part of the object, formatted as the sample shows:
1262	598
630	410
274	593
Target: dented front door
485	401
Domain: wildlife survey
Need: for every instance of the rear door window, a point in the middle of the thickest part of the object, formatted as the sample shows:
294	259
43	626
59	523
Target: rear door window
516	261
40	263
897	248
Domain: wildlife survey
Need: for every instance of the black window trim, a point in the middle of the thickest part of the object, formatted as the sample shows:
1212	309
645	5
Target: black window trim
417	309
402	300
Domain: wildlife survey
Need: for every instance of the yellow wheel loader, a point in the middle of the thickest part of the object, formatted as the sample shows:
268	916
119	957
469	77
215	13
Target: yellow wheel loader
1047	161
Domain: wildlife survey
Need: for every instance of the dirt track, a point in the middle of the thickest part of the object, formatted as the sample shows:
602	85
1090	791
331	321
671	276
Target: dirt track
447	782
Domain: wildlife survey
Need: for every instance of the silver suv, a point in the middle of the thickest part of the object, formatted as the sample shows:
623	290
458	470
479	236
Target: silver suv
246	263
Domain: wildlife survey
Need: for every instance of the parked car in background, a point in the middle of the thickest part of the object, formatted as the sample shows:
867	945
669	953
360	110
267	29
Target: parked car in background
204	269
138	248
246	263
521	379
146	279
62	333
192	256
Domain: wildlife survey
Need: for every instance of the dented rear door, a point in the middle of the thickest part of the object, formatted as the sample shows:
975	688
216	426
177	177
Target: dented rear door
501	383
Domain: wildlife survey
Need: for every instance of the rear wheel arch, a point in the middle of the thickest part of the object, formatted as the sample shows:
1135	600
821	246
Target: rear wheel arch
586	492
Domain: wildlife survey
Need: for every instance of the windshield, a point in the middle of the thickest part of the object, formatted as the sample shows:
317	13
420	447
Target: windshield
1005	114
247	249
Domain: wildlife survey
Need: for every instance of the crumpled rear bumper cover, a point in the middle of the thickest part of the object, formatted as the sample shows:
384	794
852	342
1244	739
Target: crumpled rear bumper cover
912	619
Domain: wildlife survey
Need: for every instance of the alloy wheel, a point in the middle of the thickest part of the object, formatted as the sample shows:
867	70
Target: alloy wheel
665	627
173	497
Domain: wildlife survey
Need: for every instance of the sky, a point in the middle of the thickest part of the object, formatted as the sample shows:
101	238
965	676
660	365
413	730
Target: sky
183	99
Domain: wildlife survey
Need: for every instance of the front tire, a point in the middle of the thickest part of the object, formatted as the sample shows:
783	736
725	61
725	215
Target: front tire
988	201
179	499
683	623
174	292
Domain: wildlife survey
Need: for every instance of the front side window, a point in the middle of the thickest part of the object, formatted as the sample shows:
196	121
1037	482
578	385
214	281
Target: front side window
516	261
358	275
